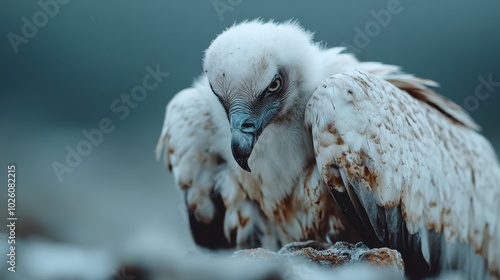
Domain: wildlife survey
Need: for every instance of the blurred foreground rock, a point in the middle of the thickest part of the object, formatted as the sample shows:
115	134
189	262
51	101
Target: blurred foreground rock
328	255
325	256
309	260
156	258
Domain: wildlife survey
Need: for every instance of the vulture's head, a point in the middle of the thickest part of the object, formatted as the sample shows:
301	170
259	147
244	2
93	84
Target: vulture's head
260	72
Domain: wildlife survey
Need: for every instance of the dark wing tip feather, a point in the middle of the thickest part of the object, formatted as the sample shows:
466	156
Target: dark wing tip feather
211	235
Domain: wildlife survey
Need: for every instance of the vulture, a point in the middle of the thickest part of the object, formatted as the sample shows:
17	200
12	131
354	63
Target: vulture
282	139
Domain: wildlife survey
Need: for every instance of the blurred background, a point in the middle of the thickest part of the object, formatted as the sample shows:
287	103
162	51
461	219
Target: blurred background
65	63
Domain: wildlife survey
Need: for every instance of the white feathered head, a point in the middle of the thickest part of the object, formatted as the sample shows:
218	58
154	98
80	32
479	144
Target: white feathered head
258	70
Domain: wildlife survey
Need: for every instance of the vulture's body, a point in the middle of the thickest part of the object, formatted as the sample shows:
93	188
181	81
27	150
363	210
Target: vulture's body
281	140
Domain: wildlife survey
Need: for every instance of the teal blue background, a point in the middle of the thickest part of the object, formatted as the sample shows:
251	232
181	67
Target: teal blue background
66	77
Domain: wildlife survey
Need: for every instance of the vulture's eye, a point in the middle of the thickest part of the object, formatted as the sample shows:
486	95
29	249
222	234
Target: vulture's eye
276	85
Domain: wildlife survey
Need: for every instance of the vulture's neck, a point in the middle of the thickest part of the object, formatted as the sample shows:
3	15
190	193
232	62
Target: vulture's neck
282	153
284	150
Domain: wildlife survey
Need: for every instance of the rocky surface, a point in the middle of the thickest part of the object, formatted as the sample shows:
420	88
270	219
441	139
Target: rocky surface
152	259
342	253
325	256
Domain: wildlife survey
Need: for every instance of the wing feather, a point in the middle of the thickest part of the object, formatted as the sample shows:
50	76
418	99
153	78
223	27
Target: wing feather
426	182
185	146
195	142
338	62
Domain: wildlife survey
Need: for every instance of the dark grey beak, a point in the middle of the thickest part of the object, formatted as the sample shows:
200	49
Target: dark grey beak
244	135
241	146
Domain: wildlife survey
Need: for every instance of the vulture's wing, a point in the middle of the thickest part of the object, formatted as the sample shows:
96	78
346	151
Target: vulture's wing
193	142
409	173
185	144
337	61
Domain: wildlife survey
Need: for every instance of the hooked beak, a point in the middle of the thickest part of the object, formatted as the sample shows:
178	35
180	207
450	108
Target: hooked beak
245	132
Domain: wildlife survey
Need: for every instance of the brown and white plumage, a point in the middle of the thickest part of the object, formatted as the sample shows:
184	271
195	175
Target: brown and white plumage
337	149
